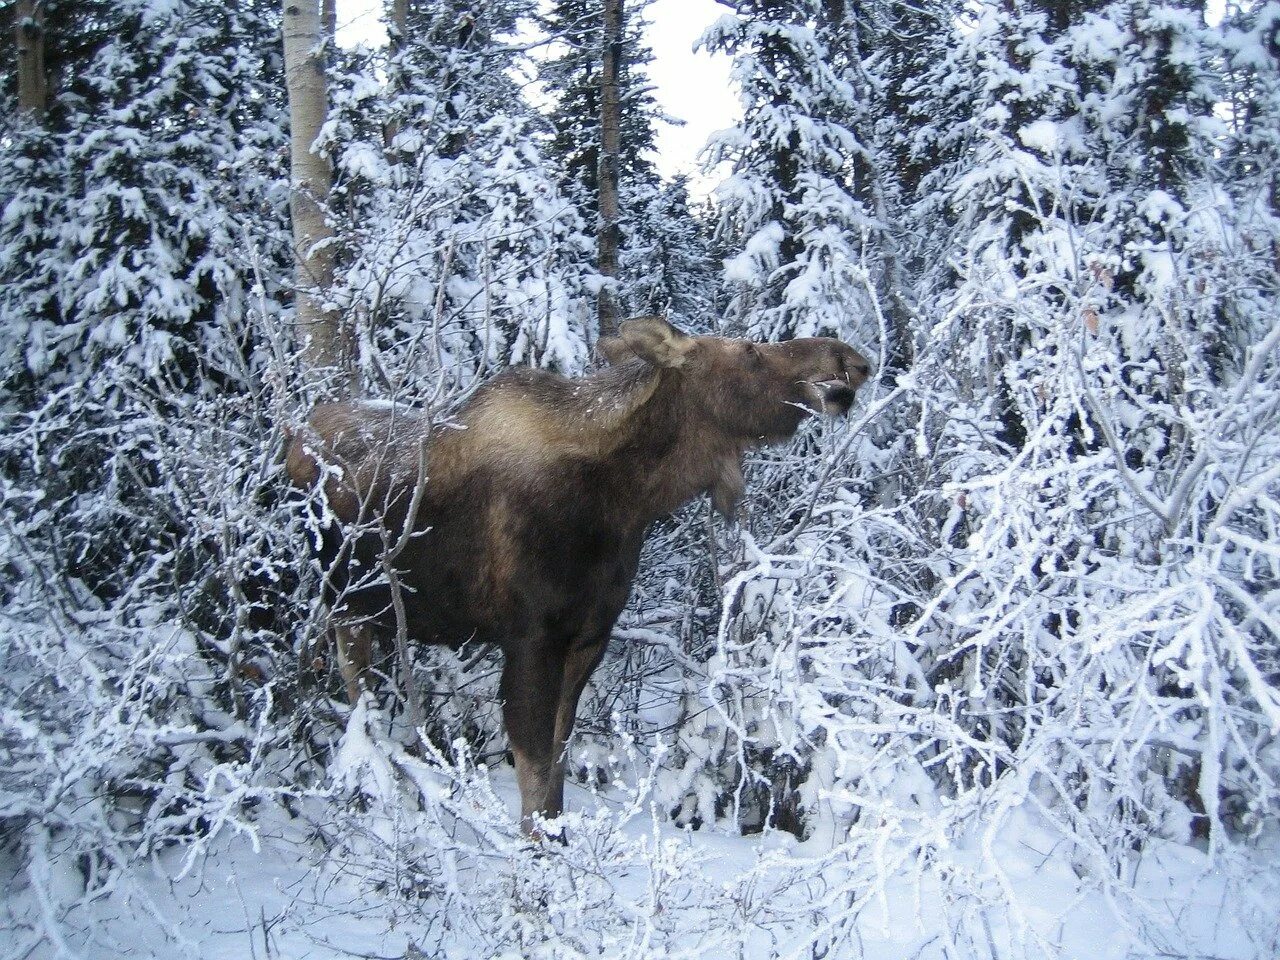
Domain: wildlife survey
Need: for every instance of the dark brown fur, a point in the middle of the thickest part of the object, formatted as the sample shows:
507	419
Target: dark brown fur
536	502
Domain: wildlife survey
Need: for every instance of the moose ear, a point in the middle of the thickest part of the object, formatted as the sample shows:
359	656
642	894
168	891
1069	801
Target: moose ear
612	350
658	342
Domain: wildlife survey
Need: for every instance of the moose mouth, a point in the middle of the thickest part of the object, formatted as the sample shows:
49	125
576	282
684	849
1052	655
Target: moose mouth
835	397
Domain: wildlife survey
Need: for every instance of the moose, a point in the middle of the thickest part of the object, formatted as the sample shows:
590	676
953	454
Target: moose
520	522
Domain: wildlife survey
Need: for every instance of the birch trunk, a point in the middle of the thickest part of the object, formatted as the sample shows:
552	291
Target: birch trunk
327	344
610	147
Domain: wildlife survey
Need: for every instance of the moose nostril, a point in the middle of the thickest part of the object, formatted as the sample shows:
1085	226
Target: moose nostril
863	368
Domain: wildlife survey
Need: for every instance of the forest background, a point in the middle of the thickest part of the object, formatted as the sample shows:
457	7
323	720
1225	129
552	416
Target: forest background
991	669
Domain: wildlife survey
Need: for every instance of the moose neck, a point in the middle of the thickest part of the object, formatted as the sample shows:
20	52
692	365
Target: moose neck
668	452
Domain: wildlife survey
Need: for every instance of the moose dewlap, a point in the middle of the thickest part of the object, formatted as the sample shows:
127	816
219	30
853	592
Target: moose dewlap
533	506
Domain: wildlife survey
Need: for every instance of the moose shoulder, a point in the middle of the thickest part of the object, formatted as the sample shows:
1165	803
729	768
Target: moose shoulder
526	527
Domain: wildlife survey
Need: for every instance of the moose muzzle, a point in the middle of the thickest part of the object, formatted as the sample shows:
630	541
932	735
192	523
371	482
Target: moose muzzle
835	396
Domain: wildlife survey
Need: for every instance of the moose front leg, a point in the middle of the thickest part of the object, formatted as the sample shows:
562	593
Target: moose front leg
531	683
579	664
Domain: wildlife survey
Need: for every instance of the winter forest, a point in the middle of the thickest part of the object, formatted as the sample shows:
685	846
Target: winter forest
989	668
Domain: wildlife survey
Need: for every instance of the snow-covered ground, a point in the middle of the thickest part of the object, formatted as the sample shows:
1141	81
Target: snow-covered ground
316	885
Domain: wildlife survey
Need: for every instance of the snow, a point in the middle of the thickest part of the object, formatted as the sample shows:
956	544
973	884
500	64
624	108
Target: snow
651	889
759	254
1041	135
988	669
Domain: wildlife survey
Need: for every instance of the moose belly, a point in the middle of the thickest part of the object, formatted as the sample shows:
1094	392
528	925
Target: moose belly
508	577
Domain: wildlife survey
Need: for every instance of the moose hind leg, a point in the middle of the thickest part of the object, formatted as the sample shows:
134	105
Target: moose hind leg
355	648
531	683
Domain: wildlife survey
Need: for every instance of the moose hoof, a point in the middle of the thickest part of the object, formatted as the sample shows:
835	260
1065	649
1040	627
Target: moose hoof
543	831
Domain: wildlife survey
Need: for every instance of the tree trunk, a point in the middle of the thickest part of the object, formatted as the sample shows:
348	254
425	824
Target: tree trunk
329	18
33	83
397	36
610	147
327	346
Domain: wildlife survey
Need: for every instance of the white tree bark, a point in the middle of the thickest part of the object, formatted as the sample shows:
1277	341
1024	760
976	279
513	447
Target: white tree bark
610	148
327	342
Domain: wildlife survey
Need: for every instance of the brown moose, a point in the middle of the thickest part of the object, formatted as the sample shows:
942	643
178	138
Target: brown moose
526	527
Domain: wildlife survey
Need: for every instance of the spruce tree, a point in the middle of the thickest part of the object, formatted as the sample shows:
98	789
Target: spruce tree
670	259
573	77
790	206
144	239
1252	41
455	222
125	241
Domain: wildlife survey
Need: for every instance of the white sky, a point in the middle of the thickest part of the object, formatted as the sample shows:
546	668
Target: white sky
693	87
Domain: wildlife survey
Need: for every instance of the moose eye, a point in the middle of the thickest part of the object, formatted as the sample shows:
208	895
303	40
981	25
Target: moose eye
754	357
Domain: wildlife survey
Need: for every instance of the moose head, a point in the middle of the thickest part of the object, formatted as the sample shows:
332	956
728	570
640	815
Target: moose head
726	395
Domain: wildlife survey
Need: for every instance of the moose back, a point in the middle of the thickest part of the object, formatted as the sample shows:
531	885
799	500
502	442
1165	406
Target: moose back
520	523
